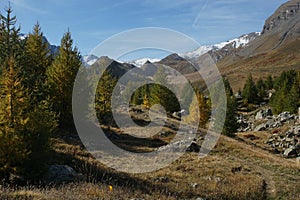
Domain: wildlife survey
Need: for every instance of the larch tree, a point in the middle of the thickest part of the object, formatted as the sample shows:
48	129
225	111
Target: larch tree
104	91
61	77
10	43
38	59
24	132
199	110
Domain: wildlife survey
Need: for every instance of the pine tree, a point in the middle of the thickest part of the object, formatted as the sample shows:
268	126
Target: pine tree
227	87
261	89
230	124
269	82
60	79
250	91
161	94
38	59
10	43
287	95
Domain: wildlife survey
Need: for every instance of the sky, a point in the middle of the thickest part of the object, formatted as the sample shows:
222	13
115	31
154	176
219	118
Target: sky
93	21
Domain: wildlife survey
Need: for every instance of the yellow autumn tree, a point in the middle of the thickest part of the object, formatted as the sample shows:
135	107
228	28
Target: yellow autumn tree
199	110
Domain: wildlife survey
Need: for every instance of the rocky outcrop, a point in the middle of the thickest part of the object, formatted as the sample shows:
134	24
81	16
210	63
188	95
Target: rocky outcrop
178	63
287	143
275	122
268	120
263	114
232	47
283	14
62	174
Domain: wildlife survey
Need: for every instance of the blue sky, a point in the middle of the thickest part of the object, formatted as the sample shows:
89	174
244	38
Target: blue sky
92	21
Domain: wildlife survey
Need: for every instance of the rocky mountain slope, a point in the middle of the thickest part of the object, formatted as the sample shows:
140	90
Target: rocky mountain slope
273	50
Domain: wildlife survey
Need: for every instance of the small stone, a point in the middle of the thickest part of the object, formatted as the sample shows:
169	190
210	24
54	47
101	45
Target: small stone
194	185
289	152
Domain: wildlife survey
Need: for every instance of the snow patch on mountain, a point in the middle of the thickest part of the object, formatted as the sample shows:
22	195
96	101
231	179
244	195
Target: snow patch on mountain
142	61
89	60
241	41
198	52
238	42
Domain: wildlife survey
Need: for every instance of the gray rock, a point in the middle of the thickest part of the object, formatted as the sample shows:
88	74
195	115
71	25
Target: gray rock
63	173
194	185
289	152
259	115
262	114
162	179
260	127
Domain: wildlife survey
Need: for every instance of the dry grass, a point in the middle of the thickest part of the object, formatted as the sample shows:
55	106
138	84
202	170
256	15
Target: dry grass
273	62
233	170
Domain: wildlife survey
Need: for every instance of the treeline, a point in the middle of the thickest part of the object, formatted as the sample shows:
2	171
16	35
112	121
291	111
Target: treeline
282	93
35	97
197	108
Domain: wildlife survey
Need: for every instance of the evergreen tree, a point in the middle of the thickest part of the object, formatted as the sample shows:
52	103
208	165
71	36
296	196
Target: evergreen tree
24	133
103	97
137	97
261	89
287	95
227	87
250	91
13	150
10	43
38	59
160	94
230	124
292	99
269	82
60	79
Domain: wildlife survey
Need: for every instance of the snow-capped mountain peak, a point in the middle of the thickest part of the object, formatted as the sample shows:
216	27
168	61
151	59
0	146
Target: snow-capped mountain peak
198	52
88	60
236	43
142	61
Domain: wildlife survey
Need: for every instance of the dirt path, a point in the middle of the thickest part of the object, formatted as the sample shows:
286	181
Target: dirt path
260	157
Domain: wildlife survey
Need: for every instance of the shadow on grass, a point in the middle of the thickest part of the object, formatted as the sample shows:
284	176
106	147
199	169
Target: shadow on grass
96	173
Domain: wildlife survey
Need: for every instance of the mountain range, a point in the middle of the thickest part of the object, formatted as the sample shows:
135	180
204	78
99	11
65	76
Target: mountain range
274	49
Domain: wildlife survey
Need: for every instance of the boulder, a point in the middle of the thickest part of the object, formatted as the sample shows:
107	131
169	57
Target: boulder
289	152
259	115
260	127
62	174
262	114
